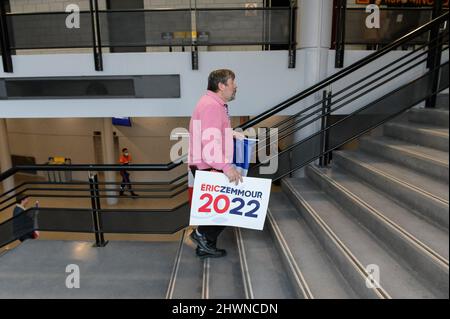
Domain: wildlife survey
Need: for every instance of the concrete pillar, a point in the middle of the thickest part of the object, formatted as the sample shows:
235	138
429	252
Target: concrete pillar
108	158
314	30
5	156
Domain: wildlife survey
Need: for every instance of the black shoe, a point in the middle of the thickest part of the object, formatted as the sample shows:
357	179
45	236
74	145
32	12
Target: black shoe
203	254
203	243
134	194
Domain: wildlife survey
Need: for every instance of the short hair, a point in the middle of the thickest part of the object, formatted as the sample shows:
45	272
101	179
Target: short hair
124	149
219	76
20	198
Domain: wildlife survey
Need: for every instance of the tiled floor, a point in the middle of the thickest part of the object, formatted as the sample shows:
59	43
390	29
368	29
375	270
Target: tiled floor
39	269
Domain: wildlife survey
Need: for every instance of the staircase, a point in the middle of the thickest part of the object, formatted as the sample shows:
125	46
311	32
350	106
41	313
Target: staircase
374	224
383	206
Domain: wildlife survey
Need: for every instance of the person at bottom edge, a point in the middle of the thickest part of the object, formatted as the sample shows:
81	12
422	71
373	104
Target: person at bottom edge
21	222
211	112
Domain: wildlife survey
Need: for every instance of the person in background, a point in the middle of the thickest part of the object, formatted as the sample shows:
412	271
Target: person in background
125	159
23	224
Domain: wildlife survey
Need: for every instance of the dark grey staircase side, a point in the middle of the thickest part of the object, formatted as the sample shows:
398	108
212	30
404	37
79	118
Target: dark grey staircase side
442	101
432	116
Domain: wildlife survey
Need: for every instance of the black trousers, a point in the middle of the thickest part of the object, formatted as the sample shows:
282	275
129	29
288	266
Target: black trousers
126	183
211	232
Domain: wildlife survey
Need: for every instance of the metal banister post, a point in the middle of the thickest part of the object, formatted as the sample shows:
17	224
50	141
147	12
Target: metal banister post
4	39
434	56
95	202
98	213
322	129
96	41
94	209
327	133
292	35
194	32
340	34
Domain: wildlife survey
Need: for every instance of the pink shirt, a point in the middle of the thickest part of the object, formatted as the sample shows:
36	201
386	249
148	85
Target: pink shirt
210	134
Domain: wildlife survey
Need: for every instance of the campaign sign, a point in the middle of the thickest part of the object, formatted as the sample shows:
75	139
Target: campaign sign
216	201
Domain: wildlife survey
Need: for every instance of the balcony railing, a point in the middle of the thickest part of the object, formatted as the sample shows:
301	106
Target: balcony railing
350	26
142	28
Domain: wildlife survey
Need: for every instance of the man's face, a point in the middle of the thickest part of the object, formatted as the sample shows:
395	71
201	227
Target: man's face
228	90
24	202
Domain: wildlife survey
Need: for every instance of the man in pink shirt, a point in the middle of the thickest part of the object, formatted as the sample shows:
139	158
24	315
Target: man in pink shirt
211	147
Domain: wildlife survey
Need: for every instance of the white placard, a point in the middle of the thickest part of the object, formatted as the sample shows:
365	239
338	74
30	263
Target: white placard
216	201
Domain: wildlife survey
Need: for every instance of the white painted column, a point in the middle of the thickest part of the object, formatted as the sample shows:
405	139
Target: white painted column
314	30
108	158
5	156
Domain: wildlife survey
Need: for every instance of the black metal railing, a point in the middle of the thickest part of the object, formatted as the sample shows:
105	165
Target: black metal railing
394	22
368	93
95	219
141	28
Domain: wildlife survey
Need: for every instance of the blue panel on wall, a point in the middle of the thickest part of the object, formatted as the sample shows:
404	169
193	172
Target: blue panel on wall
124	121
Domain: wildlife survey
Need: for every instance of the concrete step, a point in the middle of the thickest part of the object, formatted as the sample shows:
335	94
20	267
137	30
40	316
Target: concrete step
266	273
419	158
424	195
195	278
421	134
223	276
395	281
312	271
432	116
187	275
423	247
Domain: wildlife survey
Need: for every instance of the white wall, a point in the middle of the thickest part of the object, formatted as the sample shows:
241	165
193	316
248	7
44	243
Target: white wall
148	139
263	80
42	138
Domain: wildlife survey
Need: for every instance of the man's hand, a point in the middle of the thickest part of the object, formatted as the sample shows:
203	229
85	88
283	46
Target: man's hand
234	176
239	135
